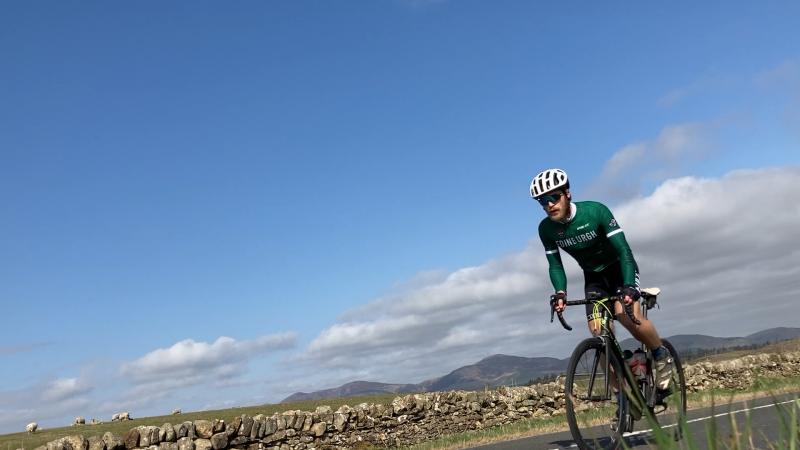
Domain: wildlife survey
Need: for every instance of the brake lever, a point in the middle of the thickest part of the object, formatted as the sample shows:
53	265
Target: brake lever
629	313
560	316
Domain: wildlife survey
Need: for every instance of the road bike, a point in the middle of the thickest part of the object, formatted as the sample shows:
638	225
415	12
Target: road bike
604	397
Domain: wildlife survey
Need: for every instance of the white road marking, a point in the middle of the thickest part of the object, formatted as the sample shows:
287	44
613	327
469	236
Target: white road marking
699	419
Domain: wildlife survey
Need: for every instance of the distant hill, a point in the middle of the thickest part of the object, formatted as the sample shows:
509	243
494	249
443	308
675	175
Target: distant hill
686	343
505	370
773	335
353	389
496	370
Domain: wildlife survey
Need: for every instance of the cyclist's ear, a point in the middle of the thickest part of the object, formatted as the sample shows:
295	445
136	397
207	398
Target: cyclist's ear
568	194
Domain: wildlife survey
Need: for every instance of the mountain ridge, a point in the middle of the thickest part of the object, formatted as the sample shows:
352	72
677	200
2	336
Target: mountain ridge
508	370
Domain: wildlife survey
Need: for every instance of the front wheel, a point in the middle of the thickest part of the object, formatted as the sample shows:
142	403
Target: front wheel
596	417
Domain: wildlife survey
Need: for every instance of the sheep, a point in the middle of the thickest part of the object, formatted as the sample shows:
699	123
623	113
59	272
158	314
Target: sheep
121	416
31	428
79	421
176	411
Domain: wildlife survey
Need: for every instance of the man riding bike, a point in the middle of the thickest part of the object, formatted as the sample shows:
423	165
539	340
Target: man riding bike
589	233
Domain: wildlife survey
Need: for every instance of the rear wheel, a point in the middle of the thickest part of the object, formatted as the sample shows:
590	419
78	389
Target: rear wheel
596	417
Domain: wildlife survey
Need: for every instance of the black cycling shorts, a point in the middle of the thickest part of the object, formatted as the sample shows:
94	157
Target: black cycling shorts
603	284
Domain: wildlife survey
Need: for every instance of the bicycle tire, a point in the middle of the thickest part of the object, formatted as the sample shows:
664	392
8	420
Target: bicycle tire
677	399
590	411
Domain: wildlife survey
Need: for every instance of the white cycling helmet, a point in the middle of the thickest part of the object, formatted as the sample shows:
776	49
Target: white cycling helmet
549	180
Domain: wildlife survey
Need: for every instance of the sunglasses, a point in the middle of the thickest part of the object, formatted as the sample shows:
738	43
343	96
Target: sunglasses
549	198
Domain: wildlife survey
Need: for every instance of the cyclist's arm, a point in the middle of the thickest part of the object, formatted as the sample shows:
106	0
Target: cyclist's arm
617	239
557	275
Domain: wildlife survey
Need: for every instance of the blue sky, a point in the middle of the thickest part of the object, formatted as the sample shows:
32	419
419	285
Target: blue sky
281	175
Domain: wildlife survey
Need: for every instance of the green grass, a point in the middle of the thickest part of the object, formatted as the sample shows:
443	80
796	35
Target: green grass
532	427
522	428
742	436
762	384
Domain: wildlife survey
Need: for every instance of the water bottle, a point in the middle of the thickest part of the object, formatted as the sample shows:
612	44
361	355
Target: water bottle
638	364
629	359
627	354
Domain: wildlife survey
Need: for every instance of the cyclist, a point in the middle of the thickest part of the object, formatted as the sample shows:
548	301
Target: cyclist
589	233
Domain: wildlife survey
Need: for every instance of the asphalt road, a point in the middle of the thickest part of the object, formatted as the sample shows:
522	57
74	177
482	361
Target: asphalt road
764	417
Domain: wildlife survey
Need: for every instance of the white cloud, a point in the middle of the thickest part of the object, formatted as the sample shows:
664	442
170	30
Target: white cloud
167	376
193	361
52	402
627	171
783	82
709	82
627	157
461	336
785	73
64	388
723	242
721	250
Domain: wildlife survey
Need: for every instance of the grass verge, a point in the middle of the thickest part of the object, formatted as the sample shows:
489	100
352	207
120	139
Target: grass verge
764	387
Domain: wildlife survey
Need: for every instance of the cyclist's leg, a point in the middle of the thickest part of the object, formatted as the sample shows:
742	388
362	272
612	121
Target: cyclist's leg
595	287
645	332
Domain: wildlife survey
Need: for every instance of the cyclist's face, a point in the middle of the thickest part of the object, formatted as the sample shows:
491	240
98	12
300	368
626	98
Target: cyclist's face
556	205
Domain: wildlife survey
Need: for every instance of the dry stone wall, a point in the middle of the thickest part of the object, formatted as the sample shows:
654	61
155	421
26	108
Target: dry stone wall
408	420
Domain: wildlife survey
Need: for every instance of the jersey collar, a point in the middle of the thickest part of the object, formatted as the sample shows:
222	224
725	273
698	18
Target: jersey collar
573	209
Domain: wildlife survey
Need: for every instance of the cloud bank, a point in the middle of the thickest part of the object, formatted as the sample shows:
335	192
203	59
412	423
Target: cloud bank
164	375
628	170
44	402
185	359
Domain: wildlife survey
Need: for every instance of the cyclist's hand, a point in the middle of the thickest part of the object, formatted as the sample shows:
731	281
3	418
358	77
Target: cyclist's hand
630	294
627	299
560	301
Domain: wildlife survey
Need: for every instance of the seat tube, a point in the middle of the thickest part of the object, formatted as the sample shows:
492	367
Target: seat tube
607	367
606	336
593	376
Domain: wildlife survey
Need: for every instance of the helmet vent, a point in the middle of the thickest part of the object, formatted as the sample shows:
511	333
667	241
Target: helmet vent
547	181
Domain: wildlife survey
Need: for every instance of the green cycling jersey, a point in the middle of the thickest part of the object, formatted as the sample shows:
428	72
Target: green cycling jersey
593	237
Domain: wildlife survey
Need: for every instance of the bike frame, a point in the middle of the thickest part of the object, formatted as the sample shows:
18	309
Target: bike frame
611	347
